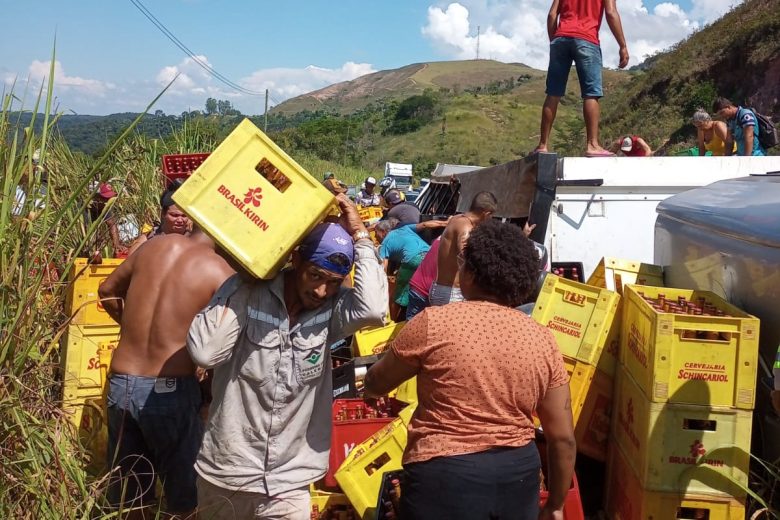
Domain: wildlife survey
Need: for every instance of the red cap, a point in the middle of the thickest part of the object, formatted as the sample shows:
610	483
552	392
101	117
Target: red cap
106	191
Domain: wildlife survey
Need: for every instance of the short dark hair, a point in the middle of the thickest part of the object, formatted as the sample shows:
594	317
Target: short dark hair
504	262
720	103
484	202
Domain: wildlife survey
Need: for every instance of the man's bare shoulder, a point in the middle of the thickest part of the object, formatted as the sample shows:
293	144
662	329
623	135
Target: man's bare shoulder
458	224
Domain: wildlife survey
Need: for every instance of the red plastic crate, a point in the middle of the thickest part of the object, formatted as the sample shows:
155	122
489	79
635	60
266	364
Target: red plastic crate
181	166
346	434
572	506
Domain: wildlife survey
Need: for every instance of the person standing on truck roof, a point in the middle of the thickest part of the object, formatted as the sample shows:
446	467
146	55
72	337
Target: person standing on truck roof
406	212
446	289
573	28
367	197
483	371
268	341
743	127
172	220
154	396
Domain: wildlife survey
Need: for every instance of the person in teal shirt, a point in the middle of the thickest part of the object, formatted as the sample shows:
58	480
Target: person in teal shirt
742	125
403	245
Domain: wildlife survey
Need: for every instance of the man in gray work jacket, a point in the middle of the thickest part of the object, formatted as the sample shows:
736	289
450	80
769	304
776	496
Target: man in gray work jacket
268	433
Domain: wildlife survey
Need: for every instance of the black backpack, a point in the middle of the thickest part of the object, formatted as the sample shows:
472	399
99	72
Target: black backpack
768	136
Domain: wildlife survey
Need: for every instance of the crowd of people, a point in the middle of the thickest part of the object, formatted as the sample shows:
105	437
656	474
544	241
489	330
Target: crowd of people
221	383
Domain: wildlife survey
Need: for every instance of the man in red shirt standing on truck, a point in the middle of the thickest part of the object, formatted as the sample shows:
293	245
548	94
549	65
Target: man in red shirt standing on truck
573	28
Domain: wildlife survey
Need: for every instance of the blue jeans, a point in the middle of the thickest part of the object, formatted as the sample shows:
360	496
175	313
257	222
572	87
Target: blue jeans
416	305
153	430
586	57
497	483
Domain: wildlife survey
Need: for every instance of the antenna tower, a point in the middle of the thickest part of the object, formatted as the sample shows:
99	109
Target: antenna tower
478	31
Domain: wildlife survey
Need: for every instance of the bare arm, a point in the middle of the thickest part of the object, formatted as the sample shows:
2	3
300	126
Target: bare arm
552	19
747	132
616	26
430	224
700	140
644	146
387	374
555	415
729	141
113	290
138	242
721	130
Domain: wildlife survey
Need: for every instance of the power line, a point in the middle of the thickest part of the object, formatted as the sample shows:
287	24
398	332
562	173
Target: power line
205	66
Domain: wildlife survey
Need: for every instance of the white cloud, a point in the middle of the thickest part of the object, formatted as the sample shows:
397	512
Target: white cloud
285	83
40	70
516	30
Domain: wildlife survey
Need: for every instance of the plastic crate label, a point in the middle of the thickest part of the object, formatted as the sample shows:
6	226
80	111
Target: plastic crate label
253	196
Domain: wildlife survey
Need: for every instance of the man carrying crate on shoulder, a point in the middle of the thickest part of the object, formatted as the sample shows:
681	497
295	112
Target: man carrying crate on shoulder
268	434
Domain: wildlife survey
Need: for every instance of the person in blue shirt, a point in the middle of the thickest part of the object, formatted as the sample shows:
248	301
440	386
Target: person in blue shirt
742	127
402	245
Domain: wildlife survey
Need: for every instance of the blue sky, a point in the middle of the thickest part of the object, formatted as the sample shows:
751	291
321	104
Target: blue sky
110	58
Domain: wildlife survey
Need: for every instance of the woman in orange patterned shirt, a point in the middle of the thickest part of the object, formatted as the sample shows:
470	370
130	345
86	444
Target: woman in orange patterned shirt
483	369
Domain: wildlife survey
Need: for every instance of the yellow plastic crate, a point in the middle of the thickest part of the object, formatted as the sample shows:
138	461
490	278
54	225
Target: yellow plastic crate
627	500
579	316
93	431
610	354
254	200
82	301
407	391
323	503
592	427
665	363
370	213
360	475
614	273
368	342
580	379
81	364
682	448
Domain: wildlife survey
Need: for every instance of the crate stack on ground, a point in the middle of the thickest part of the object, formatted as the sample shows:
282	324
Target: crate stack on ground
682	413
87	345
592	429
581	318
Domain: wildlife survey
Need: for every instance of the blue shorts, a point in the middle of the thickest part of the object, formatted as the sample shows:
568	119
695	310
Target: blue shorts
154	430
586	57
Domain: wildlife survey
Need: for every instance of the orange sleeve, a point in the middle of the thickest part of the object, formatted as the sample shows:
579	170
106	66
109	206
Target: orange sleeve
411	344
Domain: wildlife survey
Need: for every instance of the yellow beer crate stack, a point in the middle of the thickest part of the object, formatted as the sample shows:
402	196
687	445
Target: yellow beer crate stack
580	317
254	200
592	428
86	349
373	341
682	412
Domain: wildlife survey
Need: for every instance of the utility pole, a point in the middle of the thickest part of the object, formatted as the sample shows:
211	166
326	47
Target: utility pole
265	114
478	31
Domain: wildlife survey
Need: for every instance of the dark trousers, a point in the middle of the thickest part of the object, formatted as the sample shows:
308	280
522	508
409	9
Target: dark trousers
497	484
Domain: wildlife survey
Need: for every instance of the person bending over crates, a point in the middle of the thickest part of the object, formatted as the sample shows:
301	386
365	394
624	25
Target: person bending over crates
483	370
268	433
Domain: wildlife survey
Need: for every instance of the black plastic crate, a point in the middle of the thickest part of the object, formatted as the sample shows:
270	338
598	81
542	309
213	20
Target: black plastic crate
384	503
344	380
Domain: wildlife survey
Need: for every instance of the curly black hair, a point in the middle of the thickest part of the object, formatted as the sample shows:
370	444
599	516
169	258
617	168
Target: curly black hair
504	262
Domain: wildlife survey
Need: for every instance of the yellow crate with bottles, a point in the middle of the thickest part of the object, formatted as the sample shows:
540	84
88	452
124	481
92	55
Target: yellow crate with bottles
673	337
695	449
627	500
254	200
578	315
360	475
372	341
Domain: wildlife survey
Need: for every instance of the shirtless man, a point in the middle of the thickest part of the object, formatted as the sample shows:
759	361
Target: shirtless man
446	289
154	396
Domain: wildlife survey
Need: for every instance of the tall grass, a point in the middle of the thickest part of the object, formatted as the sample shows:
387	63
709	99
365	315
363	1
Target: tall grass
43	228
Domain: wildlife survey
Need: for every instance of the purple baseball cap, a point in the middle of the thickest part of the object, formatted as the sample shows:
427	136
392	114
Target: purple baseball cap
330	247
